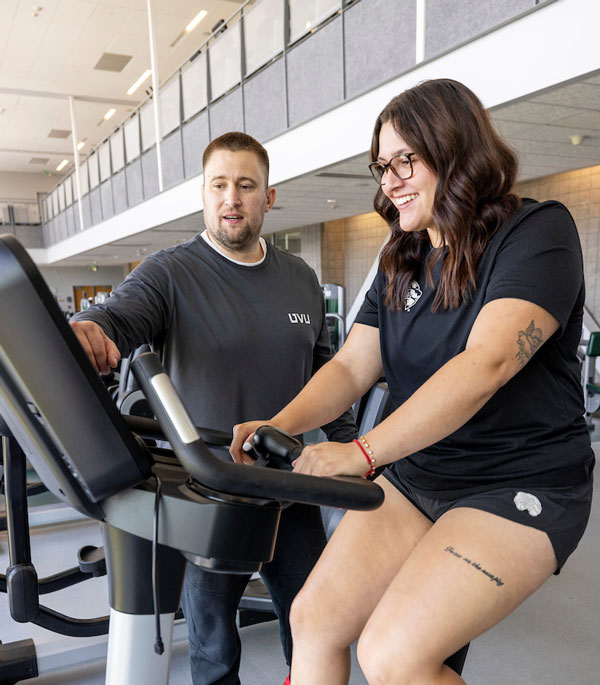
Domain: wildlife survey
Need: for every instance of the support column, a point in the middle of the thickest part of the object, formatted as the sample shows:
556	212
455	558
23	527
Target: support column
155	94
75	139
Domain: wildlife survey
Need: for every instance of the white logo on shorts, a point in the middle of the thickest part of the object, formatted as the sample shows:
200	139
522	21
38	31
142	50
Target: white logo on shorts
525	501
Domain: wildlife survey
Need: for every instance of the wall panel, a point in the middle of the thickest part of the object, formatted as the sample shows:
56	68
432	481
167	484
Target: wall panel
315	74
119	192
451	22
149	173
172	159
264	102
106	198
195	140
226	114
135	193
375	50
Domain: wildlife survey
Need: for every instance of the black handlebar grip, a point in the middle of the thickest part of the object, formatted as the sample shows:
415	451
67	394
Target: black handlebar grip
277	446
238	479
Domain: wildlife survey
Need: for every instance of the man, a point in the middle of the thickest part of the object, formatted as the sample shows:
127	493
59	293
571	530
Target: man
240	327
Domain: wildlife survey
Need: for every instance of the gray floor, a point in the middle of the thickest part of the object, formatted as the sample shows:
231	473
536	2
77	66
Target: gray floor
554	638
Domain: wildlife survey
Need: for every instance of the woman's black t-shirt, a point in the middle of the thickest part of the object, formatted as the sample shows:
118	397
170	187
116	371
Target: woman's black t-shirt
532	431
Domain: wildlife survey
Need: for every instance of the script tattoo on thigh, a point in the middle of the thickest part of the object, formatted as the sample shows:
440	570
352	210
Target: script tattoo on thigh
528	341
499	582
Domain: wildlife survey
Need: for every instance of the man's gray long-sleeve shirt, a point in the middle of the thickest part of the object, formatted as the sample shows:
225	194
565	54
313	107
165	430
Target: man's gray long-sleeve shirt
239	342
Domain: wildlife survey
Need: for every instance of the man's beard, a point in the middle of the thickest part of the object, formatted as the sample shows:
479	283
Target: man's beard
239	241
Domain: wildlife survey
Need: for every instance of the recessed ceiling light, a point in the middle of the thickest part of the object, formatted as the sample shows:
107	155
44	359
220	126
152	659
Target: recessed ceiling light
139	82
195	21
62	165
80	144
110	113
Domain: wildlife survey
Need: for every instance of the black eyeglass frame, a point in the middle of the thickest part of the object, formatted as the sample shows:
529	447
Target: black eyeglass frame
389	167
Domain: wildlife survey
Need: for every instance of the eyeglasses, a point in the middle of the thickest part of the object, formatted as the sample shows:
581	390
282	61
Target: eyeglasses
400	165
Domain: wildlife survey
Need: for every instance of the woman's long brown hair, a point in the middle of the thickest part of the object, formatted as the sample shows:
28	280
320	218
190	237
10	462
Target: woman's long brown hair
450	131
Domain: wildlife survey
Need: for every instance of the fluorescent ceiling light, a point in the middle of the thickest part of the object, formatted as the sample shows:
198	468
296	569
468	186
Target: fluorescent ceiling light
62	165
195	21
110	113
139	82
80	144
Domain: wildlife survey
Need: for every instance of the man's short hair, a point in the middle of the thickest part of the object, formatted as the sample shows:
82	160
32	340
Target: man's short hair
236	141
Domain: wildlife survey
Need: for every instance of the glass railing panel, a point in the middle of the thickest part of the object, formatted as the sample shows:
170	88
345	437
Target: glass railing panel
68	182
194	85
104	158
306	14
116	150
225	61
148	130
170	106
263	28
93	170
132	138
84	178
61	198
55	202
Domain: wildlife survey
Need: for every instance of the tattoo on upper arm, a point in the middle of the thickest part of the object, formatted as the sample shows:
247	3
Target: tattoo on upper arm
528	341
499	582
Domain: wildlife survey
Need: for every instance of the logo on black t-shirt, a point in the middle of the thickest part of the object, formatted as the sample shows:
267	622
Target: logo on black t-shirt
414	295
298	318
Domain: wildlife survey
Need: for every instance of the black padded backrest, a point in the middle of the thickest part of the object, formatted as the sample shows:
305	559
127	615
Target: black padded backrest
51	397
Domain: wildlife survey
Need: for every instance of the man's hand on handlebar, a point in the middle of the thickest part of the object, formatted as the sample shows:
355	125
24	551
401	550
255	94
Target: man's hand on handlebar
100	349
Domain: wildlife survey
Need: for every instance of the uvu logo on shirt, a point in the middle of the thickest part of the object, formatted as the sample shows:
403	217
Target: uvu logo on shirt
298	318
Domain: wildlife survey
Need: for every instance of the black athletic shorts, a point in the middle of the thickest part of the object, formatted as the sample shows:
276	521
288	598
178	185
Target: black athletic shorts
561	512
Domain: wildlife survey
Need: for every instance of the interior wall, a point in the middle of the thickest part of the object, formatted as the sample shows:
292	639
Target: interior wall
348	249
364	237
61	281
579	191
332	251
310	248
20	186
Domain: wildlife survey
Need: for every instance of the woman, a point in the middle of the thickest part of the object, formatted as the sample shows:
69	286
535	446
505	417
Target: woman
474	318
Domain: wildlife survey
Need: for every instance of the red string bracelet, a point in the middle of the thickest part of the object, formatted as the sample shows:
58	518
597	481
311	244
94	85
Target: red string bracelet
368	452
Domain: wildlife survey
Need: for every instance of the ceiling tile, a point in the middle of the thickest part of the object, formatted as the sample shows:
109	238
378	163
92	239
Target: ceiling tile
584	120
532	112
73	13
584	95
27	30
8	9
108	17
